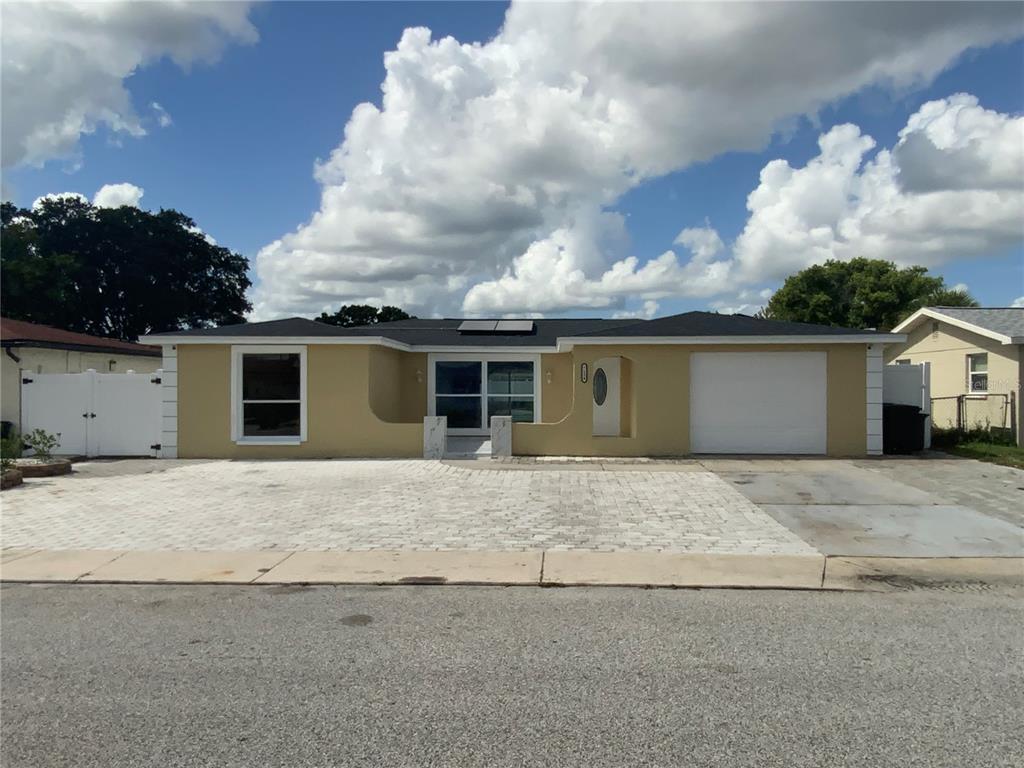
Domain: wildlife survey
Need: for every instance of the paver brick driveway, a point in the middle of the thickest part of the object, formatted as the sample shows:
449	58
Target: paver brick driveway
390	505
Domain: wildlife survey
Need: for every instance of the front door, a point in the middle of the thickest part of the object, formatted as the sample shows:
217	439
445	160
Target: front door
469	391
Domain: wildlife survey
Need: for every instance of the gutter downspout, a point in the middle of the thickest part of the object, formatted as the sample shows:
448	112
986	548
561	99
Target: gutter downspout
11	355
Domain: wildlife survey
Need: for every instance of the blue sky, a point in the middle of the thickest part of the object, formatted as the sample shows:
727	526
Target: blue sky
248	129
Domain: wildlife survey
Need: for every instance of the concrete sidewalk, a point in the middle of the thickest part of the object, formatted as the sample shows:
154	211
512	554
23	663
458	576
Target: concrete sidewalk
540	568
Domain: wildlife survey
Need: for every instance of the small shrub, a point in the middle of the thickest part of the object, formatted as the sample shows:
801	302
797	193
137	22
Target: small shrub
10	449
42	442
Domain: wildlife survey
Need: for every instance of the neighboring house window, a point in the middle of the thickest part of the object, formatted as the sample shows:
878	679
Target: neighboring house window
903	361
269	388
111	365
977	372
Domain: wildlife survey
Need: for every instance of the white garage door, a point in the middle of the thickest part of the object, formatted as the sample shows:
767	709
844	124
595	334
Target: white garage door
758	402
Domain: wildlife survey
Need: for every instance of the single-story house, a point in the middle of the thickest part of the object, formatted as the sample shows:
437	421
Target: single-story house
697	382
977	363
33	348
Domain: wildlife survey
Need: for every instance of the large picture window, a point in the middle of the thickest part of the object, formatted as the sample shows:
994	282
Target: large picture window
469	392
269	394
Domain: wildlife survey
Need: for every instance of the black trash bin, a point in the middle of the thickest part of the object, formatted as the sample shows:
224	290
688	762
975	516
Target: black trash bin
902	428
6	429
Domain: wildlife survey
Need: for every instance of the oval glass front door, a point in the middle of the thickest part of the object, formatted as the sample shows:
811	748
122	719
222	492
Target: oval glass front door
600	386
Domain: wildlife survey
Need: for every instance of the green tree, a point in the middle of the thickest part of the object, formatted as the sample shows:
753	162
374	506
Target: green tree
861	293
351	315
117	272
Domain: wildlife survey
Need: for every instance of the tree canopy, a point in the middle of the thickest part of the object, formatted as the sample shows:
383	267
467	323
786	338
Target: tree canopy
363	314
116	272
861	293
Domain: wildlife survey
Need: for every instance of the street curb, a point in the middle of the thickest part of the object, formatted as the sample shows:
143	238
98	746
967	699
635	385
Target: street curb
875	574
547	569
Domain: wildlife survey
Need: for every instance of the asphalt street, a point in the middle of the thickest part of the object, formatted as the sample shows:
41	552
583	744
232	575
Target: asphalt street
448	676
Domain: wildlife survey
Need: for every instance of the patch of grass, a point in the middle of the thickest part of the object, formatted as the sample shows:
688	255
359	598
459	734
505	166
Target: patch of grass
1007	455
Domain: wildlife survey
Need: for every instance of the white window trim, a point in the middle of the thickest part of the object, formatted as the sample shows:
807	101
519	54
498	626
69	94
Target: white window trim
236	392
970	374
469	357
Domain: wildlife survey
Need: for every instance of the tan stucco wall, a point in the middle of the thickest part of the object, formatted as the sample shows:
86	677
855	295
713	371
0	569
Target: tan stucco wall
370	401
947	351
35	360
556	396
658	398
341	422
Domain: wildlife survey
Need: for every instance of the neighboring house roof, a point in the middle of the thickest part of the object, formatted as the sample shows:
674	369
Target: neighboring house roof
20	333
702	327
1004	324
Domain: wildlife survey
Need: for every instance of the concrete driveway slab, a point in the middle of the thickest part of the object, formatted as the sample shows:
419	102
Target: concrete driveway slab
989	488
187	567
407	568
844	485
683	570
900	531
60	565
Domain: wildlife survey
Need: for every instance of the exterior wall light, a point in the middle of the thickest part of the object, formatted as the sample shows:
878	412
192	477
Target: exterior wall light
584	372
547	377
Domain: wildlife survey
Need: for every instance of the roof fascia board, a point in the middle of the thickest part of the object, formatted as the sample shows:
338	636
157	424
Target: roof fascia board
915	318
513	349
564	344
568	343
249	340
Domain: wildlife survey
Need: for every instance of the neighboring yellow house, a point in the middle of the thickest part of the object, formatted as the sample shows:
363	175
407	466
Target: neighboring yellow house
697	382
976	363
32	348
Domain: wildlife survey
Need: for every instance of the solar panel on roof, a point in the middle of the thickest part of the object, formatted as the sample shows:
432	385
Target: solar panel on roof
477	326
515	326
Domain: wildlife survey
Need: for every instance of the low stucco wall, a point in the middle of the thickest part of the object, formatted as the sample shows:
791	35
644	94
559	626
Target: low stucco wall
657	397
356	396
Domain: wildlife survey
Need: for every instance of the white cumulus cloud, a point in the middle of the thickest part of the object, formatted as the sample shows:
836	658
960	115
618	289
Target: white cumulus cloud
844	204
116	195
482	181
65	63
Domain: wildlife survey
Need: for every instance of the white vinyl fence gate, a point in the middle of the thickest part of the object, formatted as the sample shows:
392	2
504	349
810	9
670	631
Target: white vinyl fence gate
96	414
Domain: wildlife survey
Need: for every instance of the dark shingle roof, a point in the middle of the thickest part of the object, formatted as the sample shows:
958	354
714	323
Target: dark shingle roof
444	332
714	324
290	326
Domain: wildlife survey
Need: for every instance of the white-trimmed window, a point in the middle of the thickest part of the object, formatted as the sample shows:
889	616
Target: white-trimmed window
977	372
470	388
903	361
268	394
